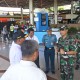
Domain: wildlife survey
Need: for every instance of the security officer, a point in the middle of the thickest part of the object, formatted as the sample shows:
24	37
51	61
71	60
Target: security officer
11	30
78	50
67	49
49	40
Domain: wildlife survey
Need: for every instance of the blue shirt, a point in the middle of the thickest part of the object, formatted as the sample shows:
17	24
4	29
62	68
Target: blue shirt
49	40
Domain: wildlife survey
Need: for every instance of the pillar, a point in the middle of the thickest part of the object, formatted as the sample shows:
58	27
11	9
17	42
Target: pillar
72	10
31	12
55	11
21	13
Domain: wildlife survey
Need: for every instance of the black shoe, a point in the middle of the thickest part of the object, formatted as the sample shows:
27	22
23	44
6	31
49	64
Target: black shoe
53	72
46	72
77	67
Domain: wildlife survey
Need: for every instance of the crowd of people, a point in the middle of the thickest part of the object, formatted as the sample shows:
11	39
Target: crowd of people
24	55
8	31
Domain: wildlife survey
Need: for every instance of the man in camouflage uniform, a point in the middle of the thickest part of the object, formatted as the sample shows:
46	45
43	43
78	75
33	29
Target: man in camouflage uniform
67	49
78	50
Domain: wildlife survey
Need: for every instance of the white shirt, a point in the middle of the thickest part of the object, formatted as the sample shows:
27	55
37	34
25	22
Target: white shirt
33	38
16	27
15	53
25	70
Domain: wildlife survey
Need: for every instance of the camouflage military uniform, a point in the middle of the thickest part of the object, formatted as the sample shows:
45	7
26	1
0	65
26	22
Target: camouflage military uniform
66	60
78	50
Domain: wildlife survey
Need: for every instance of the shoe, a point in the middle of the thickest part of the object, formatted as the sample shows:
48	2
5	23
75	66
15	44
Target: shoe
77	67
53	72
46	72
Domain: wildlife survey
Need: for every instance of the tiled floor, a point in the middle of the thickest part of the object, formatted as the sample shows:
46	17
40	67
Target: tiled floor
4	63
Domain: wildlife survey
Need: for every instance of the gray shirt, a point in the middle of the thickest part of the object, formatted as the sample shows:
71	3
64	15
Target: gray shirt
5	30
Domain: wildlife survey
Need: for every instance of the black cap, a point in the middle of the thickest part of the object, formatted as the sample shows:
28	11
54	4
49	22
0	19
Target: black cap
18	35
64	27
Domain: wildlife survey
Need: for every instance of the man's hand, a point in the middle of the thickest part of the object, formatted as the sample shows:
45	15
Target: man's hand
77	40
62	51
56	49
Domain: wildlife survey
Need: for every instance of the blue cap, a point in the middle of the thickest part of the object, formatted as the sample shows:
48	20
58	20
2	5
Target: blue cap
49	29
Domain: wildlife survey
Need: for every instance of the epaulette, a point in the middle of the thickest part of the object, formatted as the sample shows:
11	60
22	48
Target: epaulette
26	35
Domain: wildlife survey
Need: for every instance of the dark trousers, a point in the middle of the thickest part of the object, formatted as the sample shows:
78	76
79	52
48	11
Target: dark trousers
5	36
49	54
11	34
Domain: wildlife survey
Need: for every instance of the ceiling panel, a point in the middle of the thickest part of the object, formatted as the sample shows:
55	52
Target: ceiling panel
36	3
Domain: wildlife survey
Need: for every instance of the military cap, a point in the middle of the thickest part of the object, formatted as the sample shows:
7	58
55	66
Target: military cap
18	35
64	27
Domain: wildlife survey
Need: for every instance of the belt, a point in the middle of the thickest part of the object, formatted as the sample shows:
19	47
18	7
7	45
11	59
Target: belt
46	48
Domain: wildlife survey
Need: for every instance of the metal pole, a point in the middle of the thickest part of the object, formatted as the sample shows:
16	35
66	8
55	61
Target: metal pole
72	10
55	11
31	12
21	13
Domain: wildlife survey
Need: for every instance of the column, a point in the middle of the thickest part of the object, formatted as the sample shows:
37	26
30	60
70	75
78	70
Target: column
21	13
72	10
55	11
31	12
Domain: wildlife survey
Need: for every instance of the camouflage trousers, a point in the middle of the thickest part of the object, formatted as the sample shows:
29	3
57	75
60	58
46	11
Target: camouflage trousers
67	68
78	56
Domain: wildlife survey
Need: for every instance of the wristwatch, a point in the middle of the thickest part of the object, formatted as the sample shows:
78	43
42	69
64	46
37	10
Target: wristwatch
65	52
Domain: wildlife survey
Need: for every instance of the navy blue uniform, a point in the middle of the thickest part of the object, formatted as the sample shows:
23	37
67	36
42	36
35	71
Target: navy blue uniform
49	52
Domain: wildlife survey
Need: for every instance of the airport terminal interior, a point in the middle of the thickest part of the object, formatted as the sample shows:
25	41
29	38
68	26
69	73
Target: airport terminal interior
39	15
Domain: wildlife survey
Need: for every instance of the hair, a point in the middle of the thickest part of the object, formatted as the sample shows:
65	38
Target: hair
30	29
28	47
